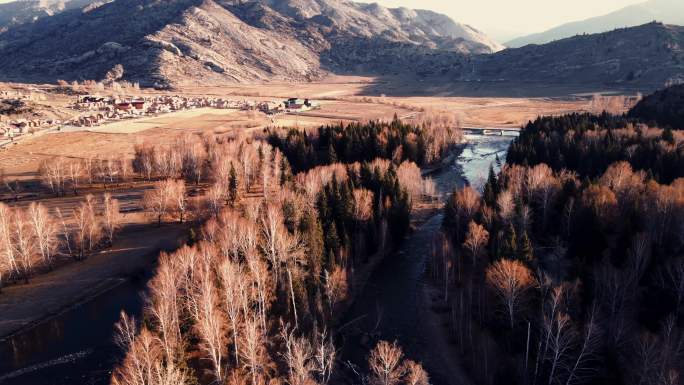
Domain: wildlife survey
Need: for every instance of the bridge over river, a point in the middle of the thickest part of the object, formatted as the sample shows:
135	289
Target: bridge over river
500	131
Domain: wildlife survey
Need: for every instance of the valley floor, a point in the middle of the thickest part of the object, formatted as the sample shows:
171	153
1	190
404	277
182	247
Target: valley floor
24	305
416	327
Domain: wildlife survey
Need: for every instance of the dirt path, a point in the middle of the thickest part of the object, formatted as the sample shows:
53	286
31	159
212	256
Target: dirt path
23	306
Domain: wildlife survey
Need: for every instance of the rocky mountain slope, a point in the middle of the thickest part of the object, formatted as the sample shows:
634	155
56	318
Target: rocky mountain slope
649	57
28	11
174	42
163	42
665	11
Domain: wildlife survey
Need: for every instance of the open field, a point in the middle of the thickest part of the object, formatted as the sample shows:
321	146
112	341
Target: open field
198	119
341	99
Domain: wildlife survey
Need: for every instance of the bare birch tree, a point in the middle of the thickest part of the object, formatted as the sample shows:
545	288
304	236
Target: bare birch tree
44	232
235	298
159	200
324	356
385	363
203	303
510	281
415	374
111	217
476	240
163	304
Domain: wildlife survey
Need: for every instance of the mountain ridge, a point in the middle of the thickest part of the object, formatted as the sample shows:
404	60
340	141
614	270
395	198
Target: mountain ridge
160	43
650	56
665	11
177	42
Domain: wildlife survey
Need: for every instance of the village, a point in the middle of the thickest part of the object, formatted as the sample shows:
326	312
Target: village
14	102
95	110
104	109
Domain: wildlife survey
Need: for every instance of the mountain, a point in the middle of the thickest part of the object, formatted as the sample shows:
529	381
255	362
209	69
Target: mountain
665	107
368	20
164	42
665	11
28	11
644	57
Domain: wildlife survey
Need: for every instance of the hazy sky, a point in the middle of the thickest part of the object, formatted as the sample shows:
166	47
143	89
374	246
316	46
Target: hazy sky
504	19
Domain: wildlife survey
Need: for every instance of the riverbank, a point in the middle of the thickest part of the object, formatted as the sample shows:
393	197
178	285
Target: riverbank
396	303
24	306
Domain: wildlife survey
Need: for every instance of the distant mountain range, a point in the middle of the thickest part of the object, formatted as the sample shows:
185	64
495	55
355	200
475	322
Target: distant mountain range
665	11
26	11
649	56
166	43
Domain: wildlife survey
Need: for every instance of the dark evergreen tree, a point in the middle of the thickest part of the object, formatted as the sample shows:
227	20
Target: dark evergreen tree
526	252
233	192
510	243
491	188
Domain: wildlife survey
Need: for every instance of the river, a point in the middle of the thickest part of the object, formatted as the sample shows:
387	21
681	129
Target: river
73	348
77	346
394	304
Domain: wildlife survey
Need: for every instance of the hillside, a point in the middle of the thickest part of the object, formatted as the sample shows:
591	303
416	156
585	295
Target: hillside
176	42
170	42
665	11
645	57
665	107
28	11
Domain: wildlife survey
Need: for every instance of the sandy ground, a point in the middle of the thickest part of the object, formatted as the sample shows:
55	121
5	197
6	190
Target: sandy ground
23	305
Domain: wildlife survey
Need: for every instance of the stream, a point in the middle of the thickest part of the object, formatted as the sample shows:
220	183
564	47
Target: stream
77	347
394	305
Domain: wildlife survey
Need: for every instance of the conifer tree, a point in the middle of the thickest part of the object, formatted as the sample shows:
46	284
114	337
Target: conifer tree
312	235
668	136
332	154
233	185
285	172
526	252
491	188
510	244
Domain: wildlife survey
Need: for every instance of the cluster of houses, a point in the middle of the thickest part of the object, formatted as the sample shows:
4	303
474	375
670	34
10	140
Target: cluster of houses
7	94
12	128
105	108
28	94
9	129
289	105
96	110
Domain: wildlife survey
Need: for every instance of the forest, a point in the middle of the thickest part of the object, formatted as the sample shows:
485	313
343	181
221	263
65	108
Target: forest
358	142
664	107
277	240
569	267
587	144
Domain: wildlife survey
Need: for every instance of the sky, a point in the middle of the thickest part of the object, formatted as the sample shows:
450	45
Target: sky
507	19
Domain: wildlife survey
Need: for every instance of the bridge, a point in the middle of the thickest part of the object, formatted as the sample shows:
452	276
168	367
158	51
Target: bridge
500	131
